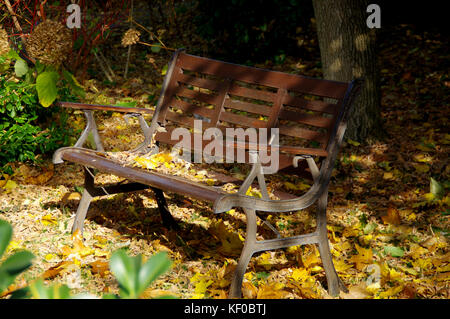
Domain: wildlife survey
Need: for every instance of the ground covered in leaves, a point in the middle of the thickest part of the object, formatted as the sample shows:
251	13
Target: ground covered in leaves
388	207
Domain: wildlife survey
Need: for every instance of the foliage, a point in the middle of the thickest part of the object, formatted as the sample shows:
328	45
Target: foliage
14	264
133	276
21	136
252	30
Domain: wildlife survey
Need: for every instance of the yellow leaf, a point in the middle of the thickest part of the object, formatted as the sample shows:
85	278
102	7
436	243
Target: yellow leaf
48	220
363	258
145	162
40	179
421	168
341	265
9	185
271	291
253	192
229	238
249	291
49	257
202	285
13	245
429	197
300	274
354	143
390	292
388	175
423	158
312	258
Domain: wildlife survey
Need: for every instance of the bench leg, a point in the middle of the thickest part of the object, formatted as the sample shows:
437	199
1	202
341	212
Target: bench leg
246	254
166	216
82	211
334	282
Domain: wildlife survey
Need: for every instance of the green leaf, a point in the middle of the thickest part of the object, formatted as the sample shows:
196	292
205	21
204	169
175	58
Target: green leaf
17	263
20	68
39	291
127	104
75	86
152	269
436	188
125	270
164	69
369	228
394	251
46	87
13	266
5	235
39	66
156	48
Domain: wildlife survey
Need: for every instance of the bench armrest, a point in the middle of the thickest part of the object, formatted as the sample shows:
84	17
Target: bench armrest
227	202
91	126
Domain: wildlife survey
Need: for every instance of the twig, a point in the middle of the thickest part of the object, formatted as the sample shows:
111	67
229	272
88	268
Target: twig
155	45
100	62
129	47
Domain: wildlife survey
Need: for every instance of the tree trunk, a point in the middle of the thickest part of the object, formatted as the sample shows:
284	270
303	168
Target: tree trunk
348	50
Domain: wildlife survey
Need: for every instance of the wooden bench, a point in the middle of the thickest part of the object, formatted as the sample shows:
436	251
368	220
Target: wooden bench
310	115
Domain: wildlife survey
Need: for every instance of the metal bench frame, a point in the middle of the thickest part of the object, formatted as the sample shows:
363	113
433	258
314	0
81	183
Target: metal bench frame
140	179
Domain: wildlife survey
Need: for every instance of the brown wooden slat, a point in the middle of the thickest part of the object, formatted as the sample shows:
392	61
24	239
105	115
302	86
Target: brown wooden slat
318	106
192	108
308	119
303	133
294	150
196	95
298	83
200	82
242	120
123	109
252	93
162	181
247	107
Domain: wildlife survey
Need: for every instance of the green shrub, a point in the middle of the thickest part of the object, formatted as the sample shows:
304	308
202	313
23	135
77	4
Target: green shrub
26	128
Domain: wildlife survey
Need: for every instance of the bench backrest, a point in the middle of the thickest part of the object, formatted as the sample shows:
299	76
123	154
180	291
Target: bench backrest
305	110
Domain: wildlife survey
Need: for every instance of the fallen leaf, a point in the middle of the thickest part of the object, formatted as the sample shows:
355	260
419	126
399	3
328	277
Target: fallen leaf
392	217
100	267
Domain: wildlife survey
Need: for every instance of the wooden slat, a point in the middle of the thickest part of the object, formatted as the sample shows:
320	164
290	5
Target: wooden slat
242	120
308	119
162	181
196	95
318	106
303	133
200	82
192	108
247	107
180	118
298	83
252	93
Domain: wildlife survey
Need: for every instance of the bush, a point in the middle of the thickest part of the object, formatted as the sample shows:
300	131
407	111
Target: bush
26	128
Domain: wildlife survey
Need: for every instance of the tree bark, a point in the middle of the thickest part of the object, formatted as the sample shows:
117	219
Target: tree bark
348	50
